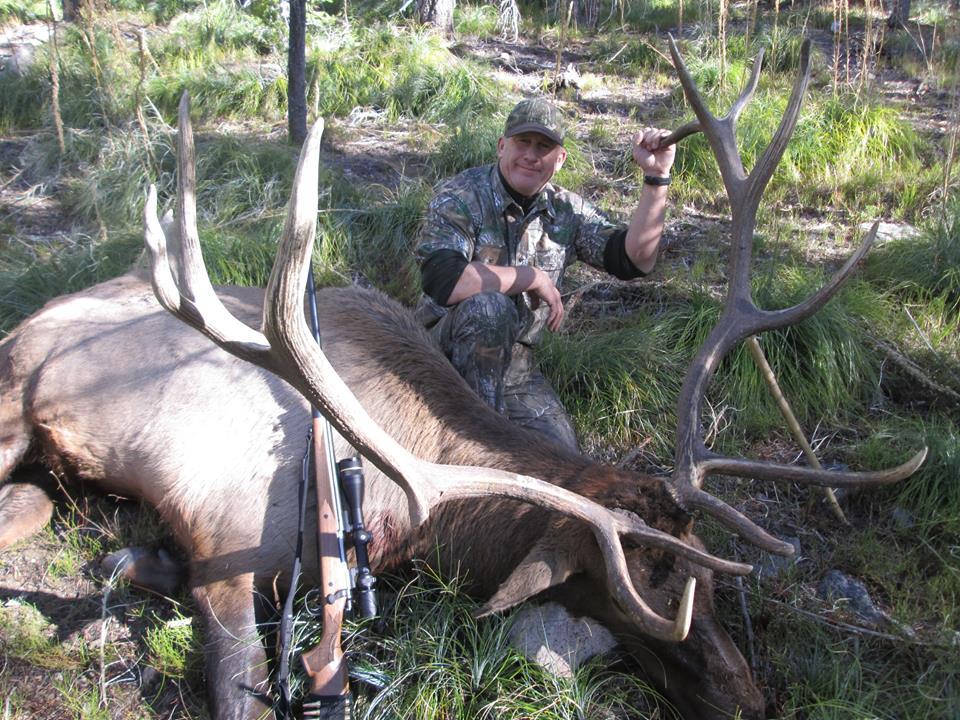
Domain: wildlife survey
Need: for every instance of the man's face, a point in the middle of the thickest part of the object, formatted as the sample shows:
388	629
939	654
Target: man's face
528	160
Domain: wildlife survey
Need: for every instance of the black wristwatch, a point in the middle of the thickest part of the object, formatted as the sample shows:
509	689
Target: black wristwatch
656	180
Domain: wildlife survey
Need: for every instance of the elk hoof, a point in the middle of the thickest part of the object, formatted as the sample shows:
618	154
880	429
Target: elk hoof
152	571
24	509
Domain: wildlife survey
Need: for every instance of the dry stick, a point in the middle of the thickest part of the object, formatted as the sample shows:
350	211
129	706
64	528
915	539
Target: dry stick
747	622
55	79
560	46
952	151
141	120
751	23
846	38
761	361
722	32
88	31
867	42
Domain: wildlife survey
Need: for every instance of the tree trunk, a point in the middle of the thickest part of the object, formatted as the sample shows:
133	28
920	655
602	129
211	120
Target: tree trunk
438	13
71	9
899	15
588	13
297	72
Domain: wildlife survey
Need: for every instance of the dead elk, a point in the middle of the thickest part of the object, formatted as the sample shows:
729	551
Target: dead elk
108	385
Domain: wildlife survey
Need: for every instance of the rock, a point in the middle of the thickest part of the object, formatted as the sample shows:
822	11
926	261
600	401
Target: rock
548	635
773	566
903	518
850	594
887	232
18	47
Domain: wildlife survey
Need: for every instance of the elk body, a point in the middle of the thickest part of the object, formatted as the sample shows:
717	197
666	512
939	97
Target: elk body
107	384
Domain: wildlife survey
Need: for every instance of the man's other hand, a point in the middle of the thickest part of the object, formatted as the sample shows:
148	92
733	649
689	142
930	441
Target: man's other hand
647	153
542	290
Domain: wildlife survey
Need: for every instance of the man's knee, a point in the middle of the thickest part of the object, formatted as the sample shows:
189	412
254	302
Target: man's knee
490	317
491	304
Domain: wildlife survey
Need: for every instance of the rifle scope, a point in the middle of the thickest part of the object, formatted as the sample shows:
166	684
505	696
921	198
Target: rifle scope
350	473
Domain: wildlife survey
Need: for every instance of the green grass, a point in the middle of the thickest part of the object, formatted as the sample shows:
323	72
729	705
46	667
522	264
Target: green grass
926	267
28	280
862	156
173	647
22	11
404	73
30	638
476	20
437	661
835	675
621	382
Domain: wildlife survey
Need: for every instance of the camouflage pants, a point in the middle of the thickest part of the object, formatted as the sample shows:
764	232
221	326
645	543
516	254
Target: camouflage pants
479	337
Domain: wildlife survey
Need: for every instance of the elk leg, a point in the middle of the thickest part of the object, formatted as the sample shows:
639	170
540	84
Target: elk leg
24	509
236	663
153	571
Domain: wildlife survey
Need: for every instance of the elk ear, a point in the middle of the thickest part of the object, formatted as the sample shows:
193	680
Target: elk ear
555	557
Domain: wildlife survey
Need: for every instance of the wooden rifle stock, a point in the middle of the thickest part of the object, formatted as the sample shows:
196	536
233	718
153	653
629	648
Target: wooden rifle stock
329	695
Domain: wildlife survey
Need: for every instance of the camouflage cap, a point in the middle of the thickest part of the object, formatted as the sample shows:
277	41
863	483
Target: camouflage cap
536	115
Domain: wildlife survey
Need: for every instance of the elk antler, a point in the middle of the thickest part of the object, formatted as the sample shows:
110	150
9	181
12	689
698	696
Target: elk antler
287	348
741	318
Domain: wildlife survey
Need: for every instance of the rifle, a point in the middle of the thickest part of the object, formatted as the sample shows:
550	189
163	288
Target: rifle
329	696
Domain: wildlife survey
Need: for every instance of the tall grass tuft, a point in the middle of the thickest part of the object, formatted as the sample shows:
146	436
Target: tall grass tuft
368	236
28	278
438	661
861	154
404	73
22	11
925	267
622	382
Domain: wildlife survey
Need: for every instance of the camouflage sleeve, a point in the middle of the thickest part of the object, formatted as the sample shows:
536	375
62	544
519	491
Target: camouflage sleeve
594	231
448	225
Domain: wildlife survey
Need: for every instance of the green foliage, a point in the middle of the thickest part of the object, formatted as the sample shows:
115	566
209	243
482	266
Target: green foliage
926	267
824	365
28	637
844	150
621	382
173	647
438	661
23	11
405	73
833	676
476	20
221	26
22	99
471	142
626	56
237	91
371	234
28	280
933	492
659	15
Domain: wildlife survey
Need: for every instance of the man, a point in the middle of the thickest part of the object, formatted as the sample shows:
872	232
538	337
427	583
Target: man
493	249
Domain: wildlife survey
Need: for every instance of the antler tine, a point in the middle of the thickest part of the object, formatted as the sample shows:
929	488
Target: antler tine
810	476
719	132
770	319
763	170
748	91
190	296
287	348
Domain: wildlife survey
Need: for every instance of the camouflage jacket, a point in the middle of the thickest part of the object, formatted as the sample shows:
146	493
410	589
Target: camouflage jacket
474	214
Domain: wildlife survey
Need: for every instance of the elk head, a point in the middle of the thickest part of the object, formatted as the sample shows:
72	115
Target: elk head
664	612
